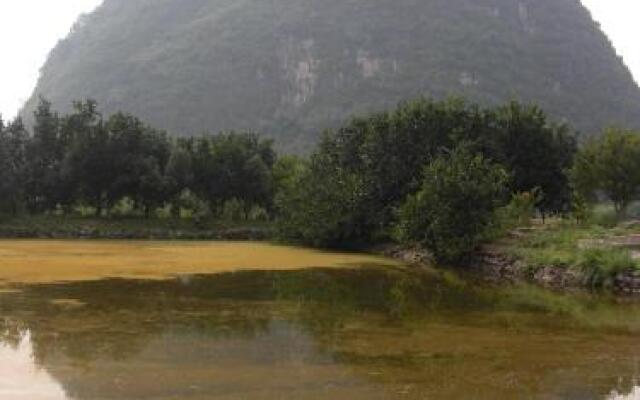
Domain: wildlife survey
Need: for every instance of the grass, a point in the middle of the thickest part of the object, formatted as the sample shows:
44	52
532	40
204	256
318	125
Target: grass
601	265
125	227
587	249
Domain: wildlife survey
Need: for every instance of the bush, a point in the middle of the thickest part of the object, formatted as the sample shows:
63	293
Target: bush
609	165
601	265
453	210
605	216
519	212
323	207
233	210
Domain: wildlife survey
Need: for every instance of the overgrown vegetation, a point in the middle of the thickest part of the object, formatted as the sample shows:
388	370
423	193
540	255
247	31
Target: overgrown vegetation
590	249
79	226
362	173
455	204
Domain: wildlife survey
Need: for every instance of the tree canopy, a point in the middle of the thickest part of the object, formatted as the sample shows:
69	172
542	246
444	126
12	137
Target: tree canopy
361	173
85	159
456	203
610	166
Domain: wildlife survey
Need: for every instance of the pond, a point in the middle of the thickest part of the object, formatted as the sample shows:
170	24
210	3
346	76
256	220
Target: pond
164	320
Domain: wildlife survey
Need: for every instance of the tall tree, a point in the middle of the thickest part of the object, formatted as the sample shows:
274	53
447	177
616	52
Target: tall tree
387	153
44	154
455	205
89	168
610	165
13	142
536	151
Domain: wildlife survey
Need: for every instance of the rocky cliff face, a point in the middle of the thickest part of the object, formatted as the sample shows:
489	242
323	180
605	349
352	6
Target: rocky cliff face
291	68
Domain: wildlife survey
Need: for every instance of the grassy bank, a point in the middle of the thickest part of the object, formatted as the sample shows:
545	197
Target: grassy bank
596	253
59	227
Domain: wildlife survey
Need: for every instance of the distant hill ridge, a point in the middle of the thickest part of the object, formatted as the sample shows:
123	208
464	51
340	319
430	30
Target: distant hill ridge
290	68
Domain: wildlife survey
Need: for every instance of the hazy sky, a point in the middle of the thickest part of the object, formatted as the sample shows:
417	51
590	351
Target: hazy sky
30	28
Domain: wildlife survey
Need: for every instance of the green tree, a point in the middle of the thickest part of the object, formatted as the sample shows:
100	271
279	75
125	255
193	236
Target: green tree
45	153
610	165
140	156
257	184
88	170
232	166
537	152
153	189
455	205
286	172
321	206
386	153
179	175
13	142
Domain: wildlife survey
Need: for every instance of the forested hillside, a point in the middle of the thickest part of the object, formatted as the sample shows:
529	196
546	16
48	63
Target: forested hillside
290	68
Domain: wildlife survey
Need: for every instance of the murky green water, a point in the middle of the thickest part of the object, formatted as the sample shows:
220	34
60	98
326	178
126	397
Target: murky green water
356	333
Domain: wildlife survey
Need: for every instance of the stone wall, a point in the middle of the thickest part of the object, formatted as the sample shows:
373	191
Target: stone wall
628	283
499	267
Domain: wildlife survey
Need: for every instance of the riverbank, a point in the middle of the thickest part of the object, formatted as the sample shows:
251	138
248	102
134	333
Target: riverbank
564	255
72	227
559	255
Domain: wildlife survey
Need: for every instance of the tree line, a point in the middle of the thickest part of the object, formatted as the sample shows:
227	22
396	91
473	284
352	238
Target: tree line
446	175
450	175
85	160
428	162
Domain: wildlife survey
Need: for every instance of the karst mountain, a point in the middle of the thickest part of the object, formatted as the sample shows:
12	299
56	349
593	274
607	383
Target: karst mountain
291	68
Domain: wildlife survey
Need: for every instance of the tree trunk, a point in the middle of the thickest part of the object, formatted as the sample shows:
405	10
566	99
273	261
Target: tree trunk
621	209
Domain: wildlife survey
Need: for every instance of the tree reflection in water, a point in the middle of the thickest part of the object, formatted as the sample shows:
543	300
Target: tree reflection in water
361	333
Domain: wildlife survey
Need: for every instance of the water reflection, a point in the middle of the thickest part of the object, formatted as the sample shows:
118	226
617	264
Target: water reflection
362	333
634	394
21	378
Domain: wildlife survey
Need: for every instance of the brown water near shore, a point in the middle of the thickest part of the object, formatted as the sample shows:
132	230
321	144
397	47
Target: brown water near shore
351	328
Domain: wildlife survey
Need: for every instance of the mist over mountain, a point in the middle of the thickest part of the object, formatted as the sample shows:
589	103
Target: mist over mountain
290	68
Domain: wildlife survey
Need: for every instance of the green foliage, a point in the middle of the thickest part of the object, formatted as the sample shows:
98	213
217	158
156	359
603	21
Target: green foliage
601	265
536	151
82	161
128	223
372	164
587	249
286	172
13	143
604	215
44	186
455	205
610	165
580	209
520	210
322	207
232	166
291	68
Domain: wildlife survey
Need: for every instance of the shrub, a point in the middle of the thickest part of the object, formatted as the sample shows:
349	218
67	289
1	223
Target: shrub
601	265
454	208
323	207
519	212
